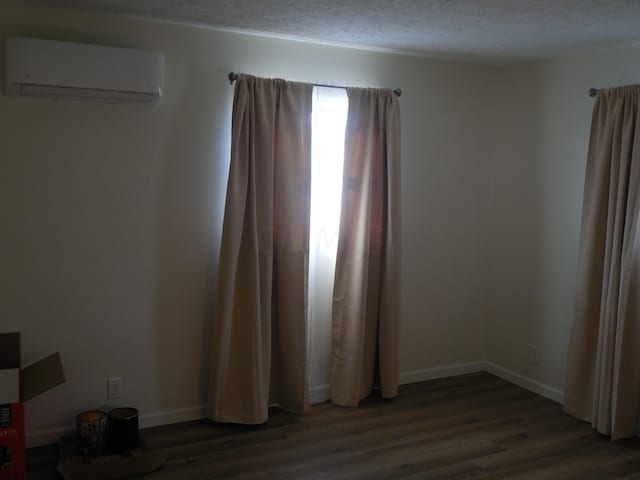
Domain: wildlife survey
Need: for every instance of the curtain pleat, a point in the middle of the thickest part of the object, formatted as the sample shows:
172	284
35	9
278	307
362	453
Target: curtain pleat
603	365
259	333
367	287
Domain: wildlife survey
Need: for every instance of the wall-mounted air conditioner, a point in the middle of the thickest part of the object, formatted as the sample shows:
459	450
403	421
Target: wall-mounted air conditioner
47	68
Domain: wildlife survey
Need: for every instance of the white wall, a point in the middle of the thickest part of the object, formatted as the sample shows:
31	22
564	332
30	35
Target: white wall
543	115
111	213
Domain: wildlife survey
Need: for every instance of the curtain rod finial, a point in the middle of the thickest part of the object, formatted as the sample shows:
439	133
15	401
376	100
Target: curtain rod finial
233	76
592	92
398	92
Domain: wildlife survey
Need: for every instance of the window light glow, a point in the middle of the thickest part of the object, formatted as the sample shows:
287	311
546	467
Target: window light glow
329	120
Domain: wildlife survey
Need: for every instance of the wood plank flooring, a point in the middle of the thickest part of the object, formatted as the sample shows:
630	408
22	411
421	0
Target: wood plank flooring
472	426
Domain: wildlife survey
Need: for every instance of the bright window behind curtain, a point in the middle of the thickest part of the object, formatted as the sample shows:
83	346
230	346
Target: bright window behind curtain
327	158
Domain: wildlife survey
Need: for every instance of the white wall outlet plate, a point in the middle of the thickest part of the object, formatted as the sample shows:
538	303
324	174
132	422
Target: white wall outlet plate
535	355
114	388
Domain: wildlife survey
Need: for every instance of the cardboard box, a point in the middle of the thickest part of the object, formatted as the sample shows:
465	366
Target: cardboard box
19	385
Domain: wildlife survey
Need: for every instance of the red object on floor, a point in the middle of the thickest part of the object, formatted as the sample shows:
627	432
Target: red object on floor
12	447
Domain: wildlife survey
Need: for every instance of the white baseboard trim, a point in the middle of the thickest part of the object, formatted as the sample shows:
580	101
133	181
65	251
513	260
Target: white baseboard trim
47	436
156	419
52	435
321	393
413	376
523	381
527	383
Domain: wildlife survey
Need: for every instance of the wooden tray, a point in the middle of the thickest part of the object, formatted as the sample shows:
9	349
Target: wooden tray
74	466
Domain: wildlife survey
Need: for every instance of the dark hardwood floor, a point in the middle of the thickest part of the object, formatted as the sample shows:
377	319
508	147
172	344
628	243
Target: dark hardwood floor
472	426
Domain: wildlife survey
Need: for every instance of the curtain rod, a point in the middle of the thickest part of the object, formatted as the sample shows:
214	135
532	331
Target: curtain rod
233	77
592	92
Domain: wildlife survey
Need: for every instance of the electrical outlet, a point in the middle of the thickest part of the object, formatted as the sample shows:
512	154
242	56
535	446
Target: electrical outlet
535	355
114	388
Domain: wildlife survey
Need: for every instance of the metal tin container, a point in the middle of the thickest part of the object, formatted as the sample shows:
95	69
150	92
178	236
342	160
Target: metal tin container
91	432
123	429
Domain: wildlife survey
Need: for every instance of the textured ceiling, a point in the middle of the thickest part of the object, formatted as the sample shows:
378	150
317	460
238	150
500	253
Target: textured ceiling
492	31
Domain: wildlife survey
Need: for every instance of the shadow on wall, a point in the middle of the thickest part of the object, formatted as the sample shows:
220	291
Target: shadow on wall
516	263
563	139
539	167
190	214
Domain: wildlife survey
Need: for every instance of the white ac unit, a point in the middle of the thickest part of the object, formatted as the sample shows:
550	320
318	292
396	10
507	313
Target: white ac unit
48	68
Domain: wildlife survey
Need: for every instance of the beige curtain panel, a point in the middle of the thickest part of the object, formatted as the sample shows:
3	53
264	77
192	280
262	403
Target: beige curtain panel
259	348
603	366
366	291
